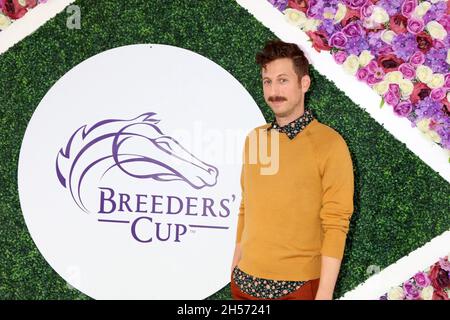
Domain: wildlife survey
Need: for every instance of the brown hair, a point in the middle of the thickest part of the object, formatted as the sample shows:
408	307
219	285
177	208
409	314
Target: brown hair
275	49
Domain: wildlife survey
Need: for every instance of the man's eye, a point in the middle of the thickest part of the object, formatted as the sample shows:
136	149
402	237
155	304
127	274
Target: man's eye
283	80
266	82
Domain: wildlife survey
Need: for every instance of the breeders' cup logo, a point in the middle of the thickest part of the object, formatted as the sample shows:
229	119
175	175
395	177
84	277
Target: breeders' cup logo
138	149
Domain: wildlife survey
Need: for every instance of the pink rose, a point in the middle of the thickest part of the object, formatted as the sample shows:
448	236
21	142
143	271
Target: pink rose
403	109
408	7
417	59
340	57
362	74
438	94
408	71
415	26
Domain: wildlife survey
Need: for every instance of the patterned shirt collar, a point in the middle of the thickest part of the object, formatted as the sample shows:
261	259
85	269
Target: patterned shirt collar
295	127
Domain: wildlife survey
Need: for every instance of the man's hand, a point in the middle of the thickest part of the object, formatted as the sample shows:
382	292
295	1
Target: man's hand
236	257
328	276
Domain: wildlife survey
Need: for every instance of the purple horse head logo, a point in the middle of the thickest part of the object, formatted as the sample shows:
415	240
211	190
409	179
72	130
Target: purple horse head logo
136	147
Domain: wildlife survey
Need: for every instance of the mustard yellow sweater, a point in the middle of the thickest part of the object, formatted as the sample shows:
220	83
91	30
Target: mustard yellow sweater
291	216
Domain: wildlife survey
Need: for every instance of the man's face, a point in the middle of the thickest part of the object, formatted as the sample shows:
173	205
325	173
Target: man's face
283	91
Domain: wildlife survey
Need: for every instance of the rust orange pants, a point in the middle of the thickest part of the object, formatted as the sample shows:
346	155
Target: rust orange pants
305	292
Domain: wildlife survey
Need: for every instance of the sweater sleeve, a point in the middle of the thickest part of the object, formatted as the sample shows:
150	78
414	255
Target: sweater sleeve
337	198
240	225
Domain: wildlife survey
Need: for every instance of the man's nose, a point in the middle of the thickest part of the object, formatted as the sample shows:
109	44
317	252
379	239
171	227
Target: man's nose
274	90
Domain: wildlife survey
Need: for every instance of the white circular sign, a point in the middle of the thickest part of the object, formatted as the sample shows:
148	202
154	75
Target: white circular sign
129	173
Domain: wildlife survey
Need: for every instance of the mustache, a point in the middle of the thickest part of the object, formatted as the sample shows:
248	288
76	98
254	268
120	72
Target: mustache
276	99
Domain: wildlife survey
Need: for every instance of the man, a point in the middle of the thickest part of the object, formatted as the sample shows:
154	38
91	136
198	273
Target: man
293	222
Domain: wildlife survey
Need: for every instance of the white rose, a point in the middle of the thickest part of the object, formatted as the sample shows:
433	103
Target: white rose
427	293
436	30
381	87
406	87
421	9
387	36
4	21
340	13
394	77
434	136
448	57
437	81
311	25
424	73
379	15
423	125
295	17
351	64
396	293
365	57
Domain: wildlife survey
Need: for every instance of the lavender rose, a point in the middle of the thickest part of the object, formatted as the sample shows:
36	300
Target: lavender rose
362	74
408	70
410	290
353	30
417	58
340	57
338	40
408	7
415	26
392	98
438	94
422	280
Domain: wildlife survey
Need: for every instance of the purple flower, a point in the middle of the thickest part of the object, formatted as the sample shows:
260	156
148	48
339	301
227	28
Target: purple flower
338	40
438	94
403	109
428	108
340	57
415	26
444	133
392	7
410	290
353	29
436	60
408	7
279	4
329	27
408	70
355	45
436	11
362	74
422	280
404	45
417	58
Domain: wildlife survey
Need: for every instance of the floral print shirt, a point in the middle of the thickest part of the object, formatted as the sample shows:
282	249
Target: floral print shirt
295	127
264	288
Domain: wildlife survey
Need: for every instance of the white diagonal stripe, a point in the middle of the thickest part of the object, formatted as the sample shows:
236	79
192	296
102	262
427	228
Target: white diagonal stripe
29	23
402	270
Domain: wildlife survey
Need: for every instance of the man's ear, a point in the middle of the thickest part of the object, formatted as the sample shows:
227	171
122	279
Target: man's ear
305	83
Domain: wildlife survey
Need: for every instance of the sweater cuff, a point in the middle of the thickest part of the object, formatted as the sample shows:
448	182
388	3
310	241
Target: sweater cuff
333	244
